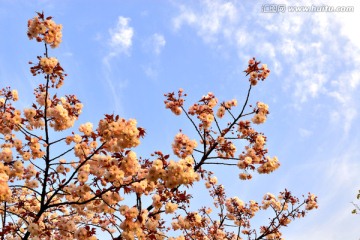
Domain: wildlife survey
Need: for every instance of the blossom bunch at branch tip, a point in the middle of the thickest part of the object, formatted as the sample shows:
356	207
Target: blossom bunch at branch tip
311	202
175	103
45	29
256	73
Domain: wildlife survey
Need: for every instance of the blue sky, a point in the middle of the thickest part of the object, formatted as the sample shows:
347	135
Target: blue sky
122	56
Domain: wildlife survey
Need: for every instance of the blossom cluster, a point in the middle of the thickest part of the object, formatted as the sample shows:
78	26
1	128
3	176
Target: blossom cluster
269	200
183	146
5	192
255	153
180	173
175	103
64	113
204	110
311	202
51	67
225	106
192	220
8	94
225	148
130	227
240	212
118	133
211	181
48	64
86	128
32	117
261	113
9	116
256	73
45	30
270	165
245	130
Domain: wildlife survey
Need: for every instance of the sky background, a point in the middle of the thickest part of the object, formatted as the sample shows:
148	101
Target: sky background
122	56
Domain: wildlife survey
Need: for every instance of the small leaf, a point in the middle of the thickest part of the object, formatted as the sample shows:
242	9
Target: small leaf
41	15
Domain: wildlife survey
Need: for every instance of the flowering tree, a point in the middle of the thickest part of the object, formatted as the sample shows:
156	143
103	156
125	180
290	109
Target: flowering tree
45	196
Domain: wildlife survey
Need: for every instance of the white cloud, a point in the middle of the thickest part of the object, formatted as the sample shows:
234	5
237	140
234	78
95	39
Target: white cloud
121	36
155	43
210	20
150	71
241	37
354	80
349	21
288	48
305	132
186	16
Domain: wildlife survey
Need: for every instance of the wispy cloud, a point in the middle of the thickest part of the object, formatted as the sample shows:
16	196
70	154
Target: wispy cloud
115	85
120	42
209	20
150	71
305	132
156	43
